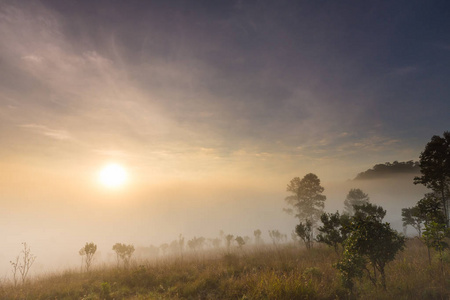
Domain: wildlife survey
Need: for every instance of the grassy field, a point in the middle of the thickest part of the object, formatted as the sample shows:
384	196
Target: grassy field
282	272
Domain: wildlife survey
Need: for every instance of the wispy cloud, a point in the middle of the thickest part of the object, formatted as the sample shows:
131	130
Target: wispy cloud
56	134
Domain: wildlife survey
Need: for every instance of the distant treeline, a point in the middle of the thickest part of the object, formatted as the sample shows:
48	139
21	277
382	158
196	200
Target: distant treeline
389	169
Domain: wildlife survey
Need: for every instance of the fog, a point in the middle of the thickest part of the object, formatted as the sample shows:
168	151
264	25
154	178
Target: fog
211	107
56	229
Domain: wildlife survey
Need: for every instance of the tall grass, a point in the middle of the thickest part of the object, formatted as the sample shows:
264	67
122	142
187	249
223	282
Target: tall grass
285	272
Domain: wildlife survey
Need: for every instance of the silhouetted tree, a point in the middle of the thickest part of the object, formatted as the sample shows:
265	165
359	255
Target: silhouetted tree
305	232
354	197
412	216
196	243
306	198
123	253
369	209
334	230
257	234
435	169
216	242
23	263
276	237
240	241
88	252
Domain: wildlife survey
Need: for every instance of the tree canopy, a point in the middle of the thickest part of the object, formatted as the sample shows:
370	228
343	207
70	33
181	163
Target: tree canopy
306	198
355	197
435	169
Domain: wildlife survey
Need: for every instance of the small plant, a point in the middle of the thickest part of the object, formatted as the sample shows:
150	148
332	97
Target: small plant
106	291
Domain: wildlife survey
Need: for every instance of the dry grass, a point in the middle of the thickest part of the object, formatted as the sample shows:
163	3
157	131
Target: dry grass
286	272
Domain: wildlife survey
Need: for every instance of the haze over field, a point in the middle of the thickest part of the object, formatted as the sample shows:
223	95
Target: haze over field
211	108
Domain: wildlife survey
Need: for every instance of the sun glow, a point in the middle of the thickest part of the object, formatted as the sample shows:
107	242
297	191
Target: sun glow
113	176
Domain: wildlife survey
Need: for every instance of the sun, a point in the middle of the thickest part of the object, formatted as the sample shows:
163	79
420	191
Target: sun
113	176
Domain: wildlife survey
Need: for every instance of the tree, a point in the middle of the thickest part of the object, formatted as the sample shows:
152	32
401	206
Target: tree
88	252
305	232
277	237
229	239
434	236
123	253
369	209
22	264
412	216
334	230
258	239
430	209
435	168
354	197
240	241
306	199
369	241
196	243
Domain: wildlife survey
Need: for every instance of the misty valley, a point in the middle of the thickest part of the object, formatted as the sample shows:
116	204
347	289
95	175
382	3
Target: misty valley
343	255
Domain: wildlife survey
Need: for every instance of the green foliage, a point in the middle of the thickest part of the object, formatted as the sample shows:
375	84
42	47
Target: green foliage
371	241
305	232
434	237
369	210
334	229
355	197
105	291
435	169
430	209
123	253
306	199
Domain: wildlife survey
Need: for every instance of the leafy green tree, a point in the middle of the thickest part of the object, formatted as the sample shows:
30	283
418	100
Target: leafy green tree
430	208
277	237
334	230
435	168
123	253
369	242
306	198
305	232
369	209
412	216
354	197
434	236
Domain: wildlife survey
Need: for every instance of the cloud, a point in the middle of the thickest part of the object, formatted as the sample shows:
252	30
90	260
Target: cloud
56	134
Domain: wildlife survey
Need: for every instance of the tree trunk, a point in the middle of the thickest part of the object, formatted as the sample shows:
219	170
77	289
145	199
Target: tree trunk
383	278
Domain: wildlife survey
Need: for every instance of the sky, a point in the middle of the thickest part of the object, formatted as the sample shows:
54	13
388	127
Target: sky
212	107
